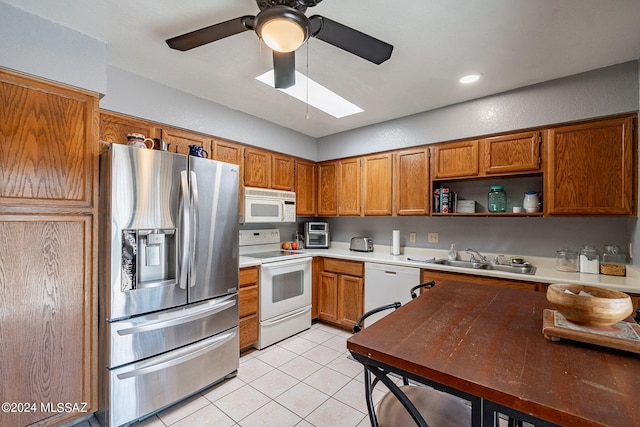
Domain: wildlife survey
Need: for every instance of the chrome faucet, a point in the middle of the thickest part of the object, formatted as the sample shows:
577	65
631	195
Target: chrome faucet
474	253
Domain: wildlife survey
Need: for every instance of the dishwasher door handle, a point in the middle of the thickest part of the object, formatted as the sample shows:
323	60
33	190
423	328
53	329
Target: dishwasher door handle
390	273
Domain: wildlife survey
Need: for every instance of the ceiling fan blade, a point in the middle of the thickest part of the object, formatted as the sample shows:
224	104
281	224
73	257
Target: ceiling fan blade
284	69
212	33
351	40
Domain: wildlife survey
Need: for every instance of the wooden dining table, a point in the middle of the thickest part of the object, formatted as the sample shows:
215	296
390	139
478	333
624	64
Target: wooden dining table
487	342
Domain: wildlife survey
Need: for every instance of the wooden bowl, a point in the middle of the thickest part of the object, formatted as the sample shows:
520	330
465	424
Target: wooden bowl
605	307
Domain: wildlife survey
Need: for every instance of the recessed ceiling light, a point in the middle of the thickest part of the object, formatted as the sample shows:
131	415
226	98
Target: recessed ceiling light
470	78
316	95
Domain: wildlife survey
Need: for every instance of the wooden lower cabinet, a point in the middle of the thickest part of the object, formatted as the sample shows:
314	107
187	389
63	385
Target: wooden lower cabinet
48	327
248	294
341	292
428	275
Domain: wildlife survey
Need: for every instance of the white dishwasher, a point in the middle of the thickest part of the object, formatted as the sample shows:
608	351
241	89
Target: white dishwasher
385	284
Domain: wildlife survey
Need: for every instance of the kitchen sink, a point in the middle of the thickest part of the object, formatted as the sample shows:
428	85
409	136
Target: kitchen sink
509	268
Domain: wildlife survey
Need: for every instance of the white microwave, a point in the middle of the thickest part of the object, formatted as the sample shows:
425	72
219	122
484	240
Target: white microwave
265	206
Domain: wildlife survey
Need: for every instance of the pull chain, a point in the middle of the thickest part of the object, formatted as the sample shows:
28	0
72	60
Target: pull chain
307	113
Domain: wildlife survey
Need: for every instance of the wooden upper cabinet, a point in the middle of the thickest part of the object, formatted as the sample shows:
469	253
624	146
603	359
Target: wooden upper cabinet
411	187
48	143
230	152
328	188
455	160
305	178
515	153
226	151
257	168
115	127
349	186
376	184
282	172
590	168
179	140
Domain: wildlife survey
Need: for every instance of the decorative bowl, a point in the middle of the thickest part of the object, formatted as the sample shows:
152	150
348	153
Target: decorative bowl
603	308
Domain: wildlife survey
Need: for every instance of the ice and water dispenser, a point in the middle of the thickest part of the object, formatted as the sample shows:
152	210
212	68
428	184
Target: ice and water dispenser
148	258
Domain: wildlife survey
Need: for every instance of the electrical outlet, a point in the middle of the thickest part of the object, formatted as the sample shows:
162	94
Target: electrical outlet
412	237
433	237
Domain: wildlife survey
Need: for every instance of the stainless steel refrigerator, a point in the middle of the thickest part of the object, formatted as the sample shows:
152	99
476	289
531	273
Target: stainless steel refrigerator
168	279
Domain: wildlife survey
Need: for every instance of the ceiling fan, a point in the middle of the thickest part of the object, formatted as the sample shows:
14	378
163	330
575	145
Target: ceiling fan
284	27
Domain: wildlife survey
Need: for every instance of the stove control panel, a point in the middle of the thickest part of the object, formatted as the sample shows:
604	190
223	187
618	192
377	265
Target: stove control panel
259	237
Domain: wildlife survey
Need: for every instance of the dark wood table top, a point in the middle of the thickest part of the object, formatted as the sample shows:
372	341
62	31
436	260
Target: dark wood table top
488	341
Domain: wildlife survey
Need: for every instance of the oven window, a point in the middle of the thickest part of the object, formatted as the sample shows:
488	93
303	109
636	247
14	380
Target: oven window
287	285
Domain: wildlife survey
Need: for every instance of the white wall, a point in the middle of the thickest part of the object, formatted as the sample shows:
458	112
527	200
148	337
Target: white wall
35	46
597	93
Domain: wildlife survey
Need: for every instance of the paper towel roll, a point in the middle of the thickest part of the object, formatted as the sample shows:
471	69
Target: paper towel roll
395	243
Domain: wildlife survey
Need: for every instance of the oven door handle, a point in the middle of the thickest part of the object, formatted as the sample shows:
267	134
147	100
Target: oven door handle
285	263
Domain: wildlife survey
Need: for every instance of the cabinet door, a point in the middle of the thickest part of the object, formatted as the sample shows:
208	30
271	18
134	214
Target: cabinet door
328	297
376	183
455	160
180	140
411	189
47	331
328	189
590	168
350	299
48	148
257	168
230	152
513	153
115	127
282	172
305	176
428	275
349	187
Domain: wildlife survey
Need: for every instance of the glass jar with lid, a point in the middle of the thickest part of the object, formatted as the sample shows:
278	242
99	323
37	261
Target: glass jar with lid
613	261
589	261
497	199
567	260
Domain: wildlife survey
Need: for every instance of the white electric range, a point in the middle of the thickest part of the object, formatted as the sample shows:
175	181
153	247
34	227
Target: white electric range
285	286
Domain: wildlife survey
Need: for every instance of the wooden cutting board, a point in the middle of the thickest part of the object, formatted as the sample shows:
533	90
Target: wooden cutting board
623	335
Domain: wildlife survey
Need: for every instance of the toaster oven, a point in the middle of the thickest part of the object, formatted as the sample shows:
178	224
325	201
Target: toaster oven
316	235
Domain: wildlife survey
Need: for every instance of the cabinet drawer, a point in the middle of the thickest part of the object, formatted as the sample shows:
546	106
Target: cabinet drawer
248	330
352	268
248	301
248	276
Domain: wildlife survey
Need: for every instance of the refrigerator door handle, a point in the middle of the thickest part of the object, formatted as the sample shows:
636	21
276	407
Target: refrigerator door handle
195	209
179	319
187	354
185	230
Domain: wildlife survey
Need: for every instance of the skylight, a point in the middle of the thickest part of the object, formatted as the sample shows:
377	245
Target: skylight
318	96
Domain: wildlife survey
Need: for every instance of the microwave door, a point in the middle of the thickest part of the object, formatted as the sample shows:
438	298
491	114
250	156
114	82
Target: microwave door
213	269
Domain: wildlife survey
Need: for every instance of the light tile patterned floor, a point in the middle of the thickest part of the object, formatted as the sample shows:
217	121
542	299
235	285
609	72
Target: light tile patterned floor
303	381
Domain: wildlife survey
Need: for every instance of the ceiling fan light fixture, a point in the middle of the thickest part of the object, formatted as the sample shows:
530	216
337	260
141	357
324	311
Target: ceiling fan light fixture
282	28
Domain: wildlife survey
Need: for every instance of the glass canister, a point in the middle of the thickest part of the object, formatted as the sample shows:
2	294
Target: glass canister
497	199
613	262
589	261
566	260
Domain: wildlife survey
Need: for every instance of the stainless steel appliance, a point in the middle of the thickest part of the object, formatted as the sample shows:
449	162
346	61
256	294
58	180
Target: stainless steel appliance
168	279
285	286
316	235
361	244
268	206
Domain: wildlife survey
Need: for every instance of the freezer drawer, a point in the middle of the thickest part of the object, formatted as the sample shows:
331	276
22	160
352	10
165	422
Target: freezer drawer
144	336
144	387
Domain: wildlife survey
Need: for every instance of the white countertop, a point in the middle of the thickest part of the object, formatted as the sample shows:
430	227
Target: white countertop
545	267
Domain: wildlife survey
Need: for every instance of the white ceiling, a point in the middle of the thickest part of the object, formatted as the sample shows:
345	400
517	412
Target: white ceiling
512	43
